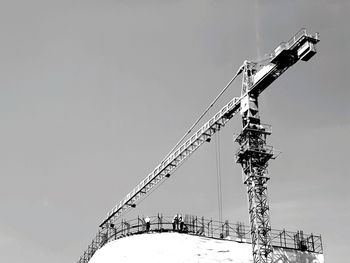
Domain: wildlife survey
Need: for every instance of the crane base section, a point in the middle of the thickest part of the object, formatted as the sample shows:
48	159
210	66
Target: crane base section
176	247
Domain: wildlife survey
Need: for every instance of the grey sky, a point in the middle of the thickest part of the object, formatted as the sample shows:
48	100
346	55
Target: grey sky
94	93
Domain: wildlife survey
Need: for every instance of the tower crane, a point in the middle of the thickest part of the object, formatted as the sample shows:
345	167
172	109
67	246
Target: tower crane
253	154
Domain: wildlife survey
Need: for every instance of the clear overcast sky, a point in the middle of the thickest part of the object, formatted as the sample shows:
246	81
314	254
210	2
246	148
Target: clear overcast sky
93	94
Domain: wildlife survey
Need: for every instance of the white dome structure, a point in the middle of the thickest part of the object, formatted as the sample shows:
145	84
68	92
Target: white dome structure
171	248
176	248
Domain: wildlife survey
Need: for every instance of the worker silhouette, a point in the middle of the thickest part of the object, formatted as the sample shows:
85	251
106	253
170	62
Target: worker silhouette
175	223
148	223
181	221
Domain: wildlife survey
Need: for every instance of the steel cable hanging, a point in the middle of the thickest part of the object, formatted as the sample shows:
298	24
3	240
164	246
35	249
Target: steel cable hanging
218	144
239	71
218	173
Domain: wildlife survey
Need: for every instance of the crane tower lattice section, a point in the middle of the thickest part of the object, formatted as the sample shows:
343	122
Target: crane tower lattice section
253	155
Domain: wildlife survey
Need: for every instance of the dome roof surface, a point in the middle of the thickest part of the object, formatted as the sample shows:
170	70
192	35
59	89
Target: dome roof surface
171	248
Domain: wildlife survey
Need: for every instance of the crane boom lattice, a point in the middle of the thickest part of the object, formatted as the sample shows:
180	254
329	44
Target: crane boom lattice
174	160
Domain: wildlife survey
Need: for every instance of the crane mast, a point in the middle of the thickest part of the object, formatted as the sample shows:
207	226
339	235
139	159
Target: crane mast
253	154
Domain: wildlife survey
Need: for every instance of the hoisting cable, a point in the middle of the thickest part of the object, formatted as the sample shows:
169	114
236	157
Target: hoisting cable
218	173
239	71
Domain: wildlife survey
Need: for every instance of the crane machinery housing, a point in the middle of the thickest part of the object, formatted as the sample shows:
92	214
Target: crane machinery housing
253	153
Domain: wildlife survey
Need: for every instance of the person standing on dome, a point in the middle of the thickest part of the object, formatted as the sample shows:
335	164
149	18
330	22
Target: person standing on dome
175	223
181	223
148	223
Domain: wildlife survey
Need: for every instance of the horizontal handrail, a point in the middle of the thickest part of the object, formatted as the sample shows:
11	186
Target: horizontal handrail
200	226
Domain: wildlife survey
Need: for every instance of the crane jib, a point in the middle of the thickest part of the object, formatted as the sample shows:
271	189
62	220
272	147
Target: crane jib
262	79
169	165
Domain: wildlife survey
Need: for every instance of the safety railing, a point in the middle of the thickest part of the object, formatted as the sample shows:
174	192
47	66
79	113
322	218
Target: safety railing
200	226
191	225
295	39
266	150
289	43
297	240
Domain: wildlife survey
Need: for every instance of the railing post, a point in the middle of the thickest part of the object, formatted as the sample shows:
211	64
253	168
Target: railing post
115	232
202	227
192	224
227	230
160	222
296	238
210	222
281	238
222	230
128	225
312	242
138	225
